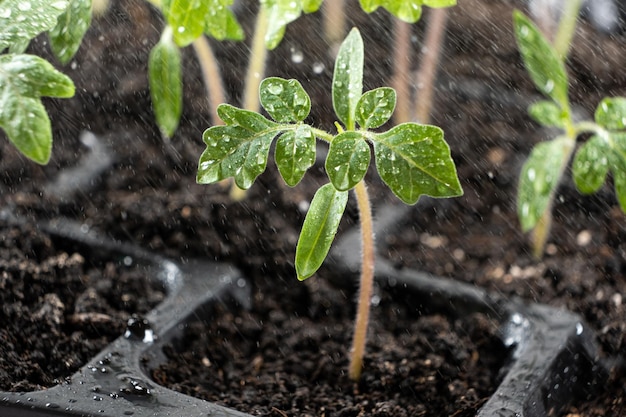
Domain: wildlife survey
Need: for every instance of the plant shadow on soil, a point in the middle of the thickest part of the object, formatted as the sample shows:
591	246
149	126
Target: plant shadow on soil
148	196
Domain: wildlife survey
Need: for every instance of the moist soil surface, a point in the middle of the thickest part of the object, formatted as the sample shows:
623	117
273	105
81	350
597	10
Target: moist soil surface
130	184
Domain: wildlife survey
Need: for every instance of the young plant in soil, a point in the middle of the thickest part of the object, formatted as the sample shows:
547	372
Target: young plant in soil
412	159
603	152
25	78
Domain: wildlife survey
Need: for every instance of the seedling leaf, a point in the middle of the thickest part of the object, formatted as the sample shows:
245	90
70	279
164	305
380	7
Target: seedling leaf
295	153
611	113
348	159
284	100
319	229
375	107
547	114
239	150
71	26
221	23
20	22
311	6
187	19
591	165
414	159
23	80
165	75
407	10
539	178
348	78
282	12
545	67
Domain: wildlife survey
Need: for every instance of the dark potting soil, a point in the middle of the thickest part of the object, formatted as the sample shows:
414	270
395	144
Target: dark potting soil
287	356
59	308
145	194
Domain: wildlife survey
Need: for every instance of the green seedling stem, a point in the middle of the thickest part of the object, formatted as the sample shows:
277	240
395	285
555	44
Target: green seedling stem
412	159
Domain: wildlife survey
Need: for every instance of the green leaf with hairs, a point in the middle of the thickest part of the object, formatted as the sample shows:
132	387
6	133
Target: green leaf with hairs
284	100
348	159
375	107
239	150
414	160
348	78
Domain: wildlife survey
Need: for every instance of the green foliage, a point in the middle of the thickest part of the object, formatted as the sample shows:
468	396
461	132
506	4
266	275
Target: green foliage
166	85
604	152
348	78
407	10
412	159
25	78
72	25
539	178
21	21
544	65
319	229
282	12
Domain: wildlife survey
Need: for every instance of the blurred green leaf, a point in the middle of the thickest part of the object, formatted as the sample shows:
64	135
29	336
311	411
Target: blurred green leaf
375	107
611	113
348	78
282	12
545	67
539	178
21	21
221	22
413	160
547	114
348	159
591	165
23	80
67	35
284	100
407	10
187	19
319	229
165	76
295	153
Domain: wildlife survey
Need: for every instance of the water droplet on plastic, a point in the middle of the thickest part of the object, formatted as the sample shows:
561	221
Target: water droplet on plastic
138	328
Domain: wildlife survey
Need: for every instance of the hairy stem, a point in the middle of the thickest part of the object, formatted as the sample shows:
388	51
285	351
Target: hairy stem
211	76
567	27
366	283
427	73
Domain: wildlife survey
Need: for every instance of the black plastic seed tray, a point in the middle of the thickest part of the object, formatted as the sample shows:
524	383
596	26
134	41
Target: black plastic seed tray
553	354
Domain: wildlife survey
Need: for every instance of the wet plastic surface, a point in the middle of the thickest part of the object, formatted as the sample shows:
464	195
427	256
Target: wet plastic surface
553	353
